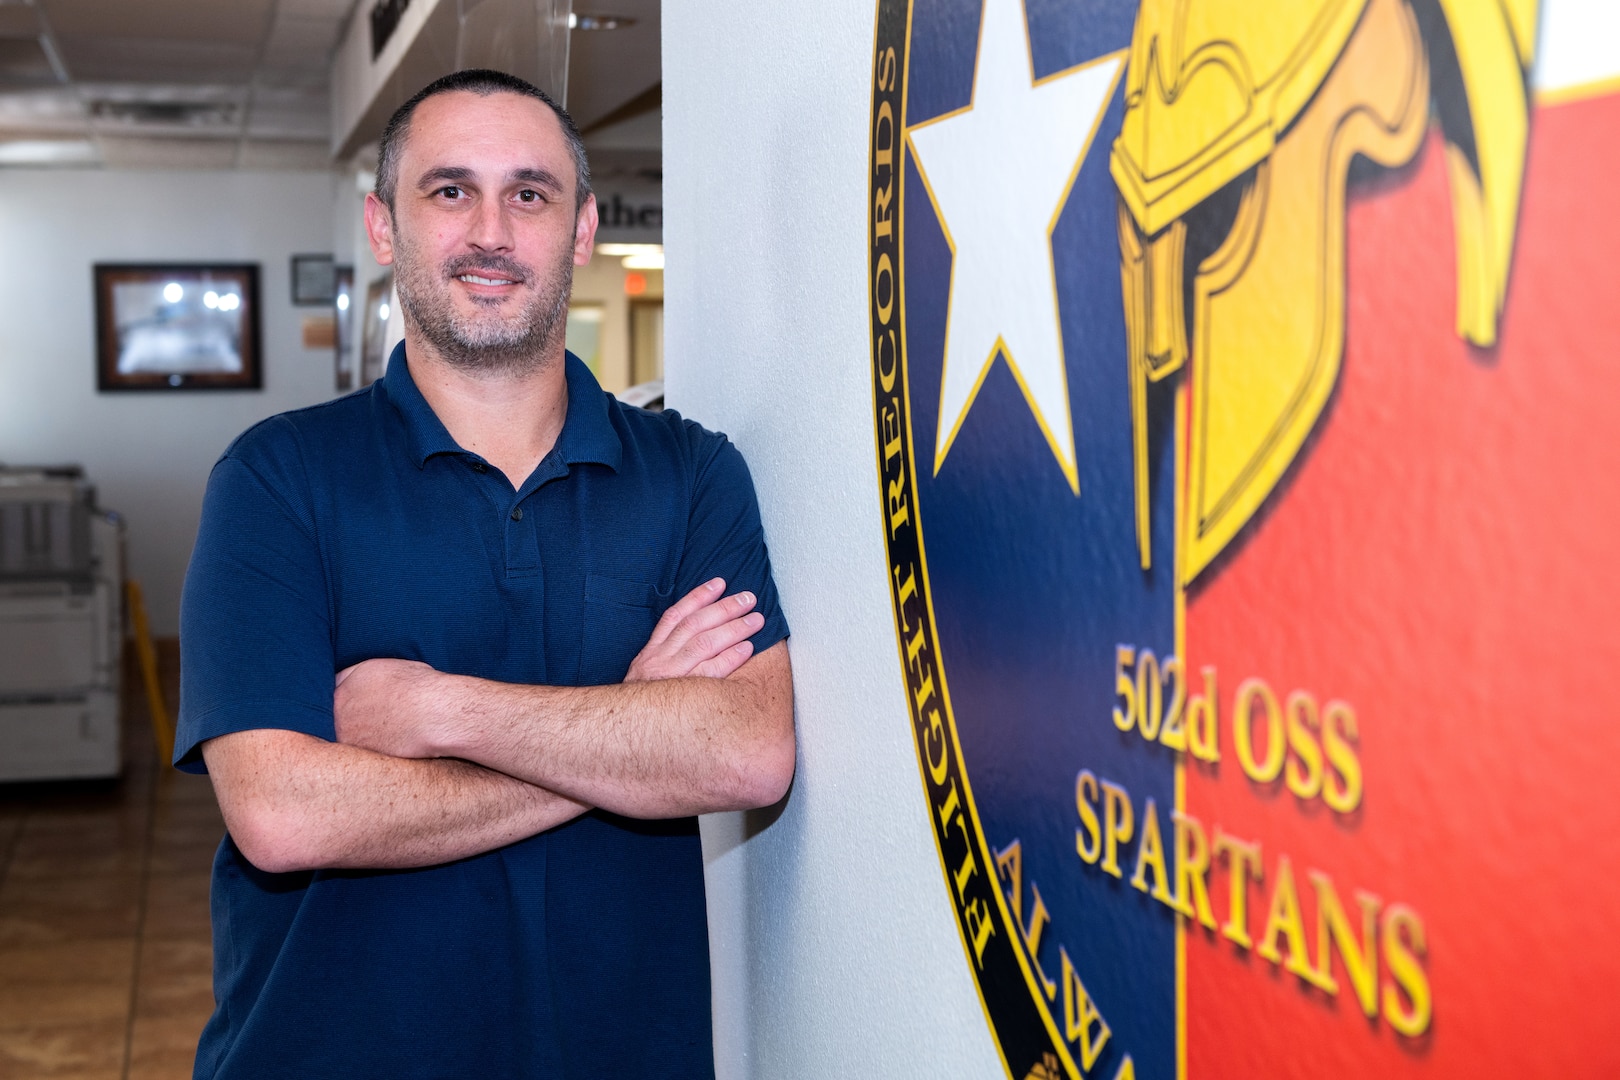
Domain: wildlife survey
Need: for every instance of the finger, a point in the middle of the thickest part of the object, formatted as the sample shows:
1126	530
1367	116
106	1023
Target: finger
708	617
344	674
699	597
712	643
728	661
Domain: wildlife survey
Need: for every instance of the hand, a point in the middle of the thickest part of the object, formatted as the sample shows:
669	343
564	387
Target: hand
703	634
390	706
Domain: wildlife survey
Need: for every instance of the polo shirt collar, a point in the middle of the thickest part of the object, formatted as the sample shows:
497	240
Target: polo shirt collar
587	434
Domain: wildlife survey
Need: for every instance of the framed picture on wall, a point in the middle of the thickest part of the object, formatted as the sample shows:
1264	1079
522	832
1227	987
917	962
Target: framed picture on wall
314	280
177	326
374	329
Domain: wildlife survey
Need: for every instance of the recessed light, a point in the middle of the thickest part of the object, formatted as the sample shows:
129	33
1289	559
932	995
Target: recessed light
576	21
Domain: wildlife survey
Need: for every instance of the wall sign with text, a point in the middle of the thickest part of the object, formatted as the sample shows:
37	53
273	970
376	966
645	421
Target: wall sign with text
1244	424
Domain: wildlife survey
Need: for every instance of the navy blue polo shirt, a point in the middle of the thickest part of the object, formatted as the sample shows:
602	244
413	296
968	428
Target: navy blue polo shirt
359	529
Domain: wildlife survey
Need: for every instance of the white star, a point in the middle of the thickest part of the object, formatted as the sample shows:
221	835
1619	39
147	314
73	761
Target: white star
999	173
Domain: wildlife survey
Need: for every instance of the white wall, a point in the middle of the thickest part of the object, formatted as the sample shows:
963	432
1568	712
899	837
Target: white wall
148	453
835	949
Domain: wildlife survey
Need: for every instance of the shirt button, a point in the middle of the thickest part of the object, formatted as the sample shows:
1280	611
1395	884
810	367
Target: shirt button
517	513
479	466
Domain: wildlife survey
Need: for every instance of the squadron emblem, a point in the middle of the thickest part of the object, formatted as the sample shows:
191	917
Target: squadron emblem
1108	303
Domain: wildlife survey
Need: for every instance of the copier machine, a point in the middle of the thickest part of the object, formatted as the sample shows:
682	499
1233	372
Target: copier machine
61	627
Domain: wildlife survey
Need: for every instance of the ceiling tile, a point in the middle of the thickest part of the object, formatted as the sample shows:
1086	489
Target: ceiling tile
316	35
148	59
237	21
148	153
607	68
18	20
317	9
289	114
284	154
24	63
309	78
42	111
302	43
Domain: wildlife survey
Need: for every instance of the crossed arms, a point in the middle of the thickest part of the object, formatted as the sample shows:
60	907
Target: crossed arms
429	767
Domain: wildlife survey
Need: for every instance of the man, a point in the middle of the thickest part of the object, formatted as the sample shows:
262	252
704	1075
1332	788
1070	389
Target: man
479	858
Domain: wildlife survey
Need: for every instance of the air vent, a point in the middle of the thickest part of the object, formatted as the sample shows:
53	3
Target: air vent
195	114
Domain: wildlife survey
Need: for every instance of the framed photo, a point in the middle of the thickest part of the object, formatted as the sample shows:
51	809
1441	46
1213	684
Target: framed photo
374	329
343	352
314	280
177	326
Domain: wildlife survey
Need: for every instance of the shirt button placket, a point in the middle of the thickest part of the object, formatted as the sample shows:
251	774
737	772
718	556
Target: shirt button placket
522	544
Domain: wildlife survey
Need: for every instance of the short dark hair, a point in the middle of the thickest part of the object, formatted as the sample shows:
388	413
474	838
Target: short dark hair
483	82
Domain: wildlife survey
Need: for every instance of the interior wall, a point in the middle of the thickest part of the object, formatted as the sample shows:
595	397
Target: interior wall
149	453
834	946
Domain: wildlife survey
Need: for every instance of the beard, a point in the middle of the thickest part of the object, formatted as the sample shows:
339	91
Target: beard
490	341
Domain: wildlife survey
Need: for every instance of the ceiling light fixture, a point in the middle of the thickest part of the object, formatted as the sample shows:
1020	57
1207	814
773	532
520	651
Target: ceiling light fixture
650	261
49	152
620	250
576	21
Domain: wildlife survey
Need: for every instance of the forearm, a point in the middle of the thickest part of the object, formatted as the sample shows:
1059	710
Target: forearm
293	802
653	750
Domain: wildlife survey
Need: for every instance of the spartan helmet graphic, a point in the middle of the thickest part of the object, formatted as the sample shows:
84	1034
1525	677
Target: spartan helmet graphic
1251	114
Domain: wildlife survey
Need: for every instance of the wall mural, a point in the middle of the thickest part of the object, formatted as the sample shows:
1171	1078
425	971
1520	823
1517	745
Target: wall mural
1243	391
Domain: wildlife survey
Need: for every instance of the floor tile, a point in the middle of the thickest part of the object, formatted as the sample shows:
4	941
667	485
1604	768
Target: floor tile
176	981
68	962
177	906
64	1051
27	1005
165	1043
168	861
43	910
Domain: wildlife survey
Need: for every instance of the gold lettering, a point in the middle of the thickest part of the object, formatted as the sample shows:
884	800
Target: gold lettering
970	865
1204	721
889	426
1010	867
1304	777
925	690
1282	920
950	808
883	215
1251	691
899	510
886	69
1192	869
883	137
1341	789
1085	800
1333	928
1118	824
1242	858
905	591
935	738
883	285
1038	918
1082	1020
980	927
1150	855
1402	935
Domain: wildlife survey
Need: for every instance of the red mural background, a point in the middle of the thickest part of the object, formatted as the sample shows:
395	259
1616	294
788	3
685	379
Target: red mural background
1442	556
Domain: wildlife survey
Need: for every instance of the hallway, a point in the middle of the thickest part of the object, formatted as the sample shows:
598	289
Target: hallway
105	955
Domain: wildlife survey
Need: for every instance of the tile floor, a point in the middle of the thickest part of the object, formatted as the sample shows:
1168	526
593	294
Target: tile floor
104	945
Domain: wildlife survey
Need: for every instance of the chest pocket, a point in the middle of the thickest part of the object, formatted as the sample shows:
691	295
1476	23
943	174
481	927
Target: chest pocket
619	618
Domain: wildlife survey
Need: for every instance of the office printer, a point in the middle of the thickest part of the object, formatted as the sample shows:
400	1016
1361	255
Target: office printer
61	627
